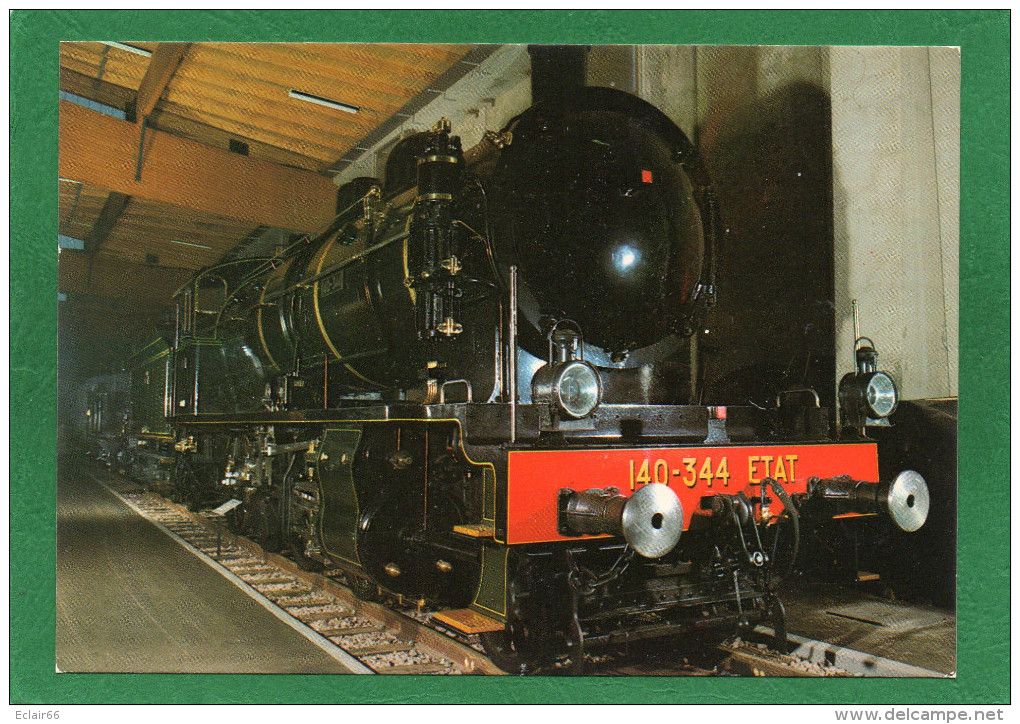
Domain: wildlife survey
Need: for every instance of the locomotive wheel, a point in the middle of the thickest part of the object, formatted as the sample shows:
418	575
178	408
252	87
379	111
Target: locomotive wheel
512	649
262	524
195	482
295	550
363	588
499	647
185	484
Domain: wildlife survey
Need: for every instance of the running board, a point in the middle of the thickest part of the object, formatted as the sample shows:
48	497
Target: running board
467	621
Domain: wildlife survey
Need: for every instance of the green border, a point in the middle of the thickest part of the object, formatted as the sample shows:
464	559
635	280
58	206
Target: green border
984	371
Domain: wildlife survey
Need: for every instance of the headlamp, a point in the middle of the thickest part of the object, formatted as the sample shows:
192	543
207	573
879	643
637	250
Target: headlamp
577	388
867	396
566	389
880	394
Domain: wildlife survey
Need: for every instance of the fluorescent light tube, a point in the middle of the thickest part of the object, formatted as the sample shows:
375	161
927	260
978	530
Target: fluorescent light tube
346	107
129	48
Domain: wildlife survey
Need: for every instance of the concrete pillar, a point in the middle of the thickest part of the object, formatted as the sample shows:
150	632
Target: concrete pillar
895	136
945	85
666	79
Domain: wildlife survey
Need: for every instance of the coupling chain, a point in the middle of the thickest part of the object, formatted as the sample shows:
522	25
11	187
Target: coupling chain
584	582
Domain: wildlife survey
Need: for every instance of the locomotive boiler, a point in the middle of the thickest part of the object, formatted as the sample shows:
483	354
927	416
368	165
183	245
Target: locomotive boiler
479	388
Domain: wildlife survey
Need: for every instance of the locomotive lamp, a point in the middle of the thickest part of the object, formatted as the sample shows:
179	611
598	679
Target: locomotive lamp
867	397
577	388
567	388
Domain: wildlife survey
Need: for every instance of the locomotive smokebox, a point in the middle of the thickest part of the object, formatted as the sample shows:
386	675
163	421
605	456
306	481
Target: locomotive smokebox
599	210
651	520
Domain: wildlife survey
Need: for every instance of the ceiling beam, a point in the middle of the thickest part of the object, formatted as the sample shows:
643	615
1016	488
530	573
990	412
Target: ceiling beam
162	67
100	91
133	307
103	151
115	204
108	276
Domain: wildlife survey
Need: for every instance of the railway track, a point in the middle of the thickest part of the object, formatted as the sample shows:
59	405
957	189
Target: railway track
382	640
402	639
734	657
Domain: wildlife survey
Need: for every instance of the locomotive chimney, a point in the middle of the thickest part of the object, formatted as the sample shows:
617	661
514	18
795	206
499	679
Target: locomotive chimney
556	70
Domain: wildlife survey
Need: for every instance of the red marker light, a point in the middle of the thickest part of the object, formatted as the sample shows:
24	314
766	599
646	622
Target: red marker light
646	177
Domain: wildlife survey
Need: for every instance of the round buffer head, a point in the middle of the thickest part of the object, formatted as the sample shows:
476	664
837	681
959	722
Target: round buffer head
653	520
908	500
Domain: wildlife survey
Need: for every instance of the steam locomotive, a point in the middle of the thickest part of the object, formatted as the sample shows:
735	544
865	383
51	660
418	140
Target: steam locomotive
479	387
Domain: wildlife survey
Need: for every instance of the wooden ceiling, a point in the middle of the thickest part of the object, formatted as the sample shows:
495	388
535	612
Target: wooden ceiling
224	91
176	237
213	148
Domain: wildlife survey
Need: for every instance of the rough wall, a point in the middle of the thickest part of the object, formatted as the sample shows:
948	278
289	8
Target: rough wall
896	134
